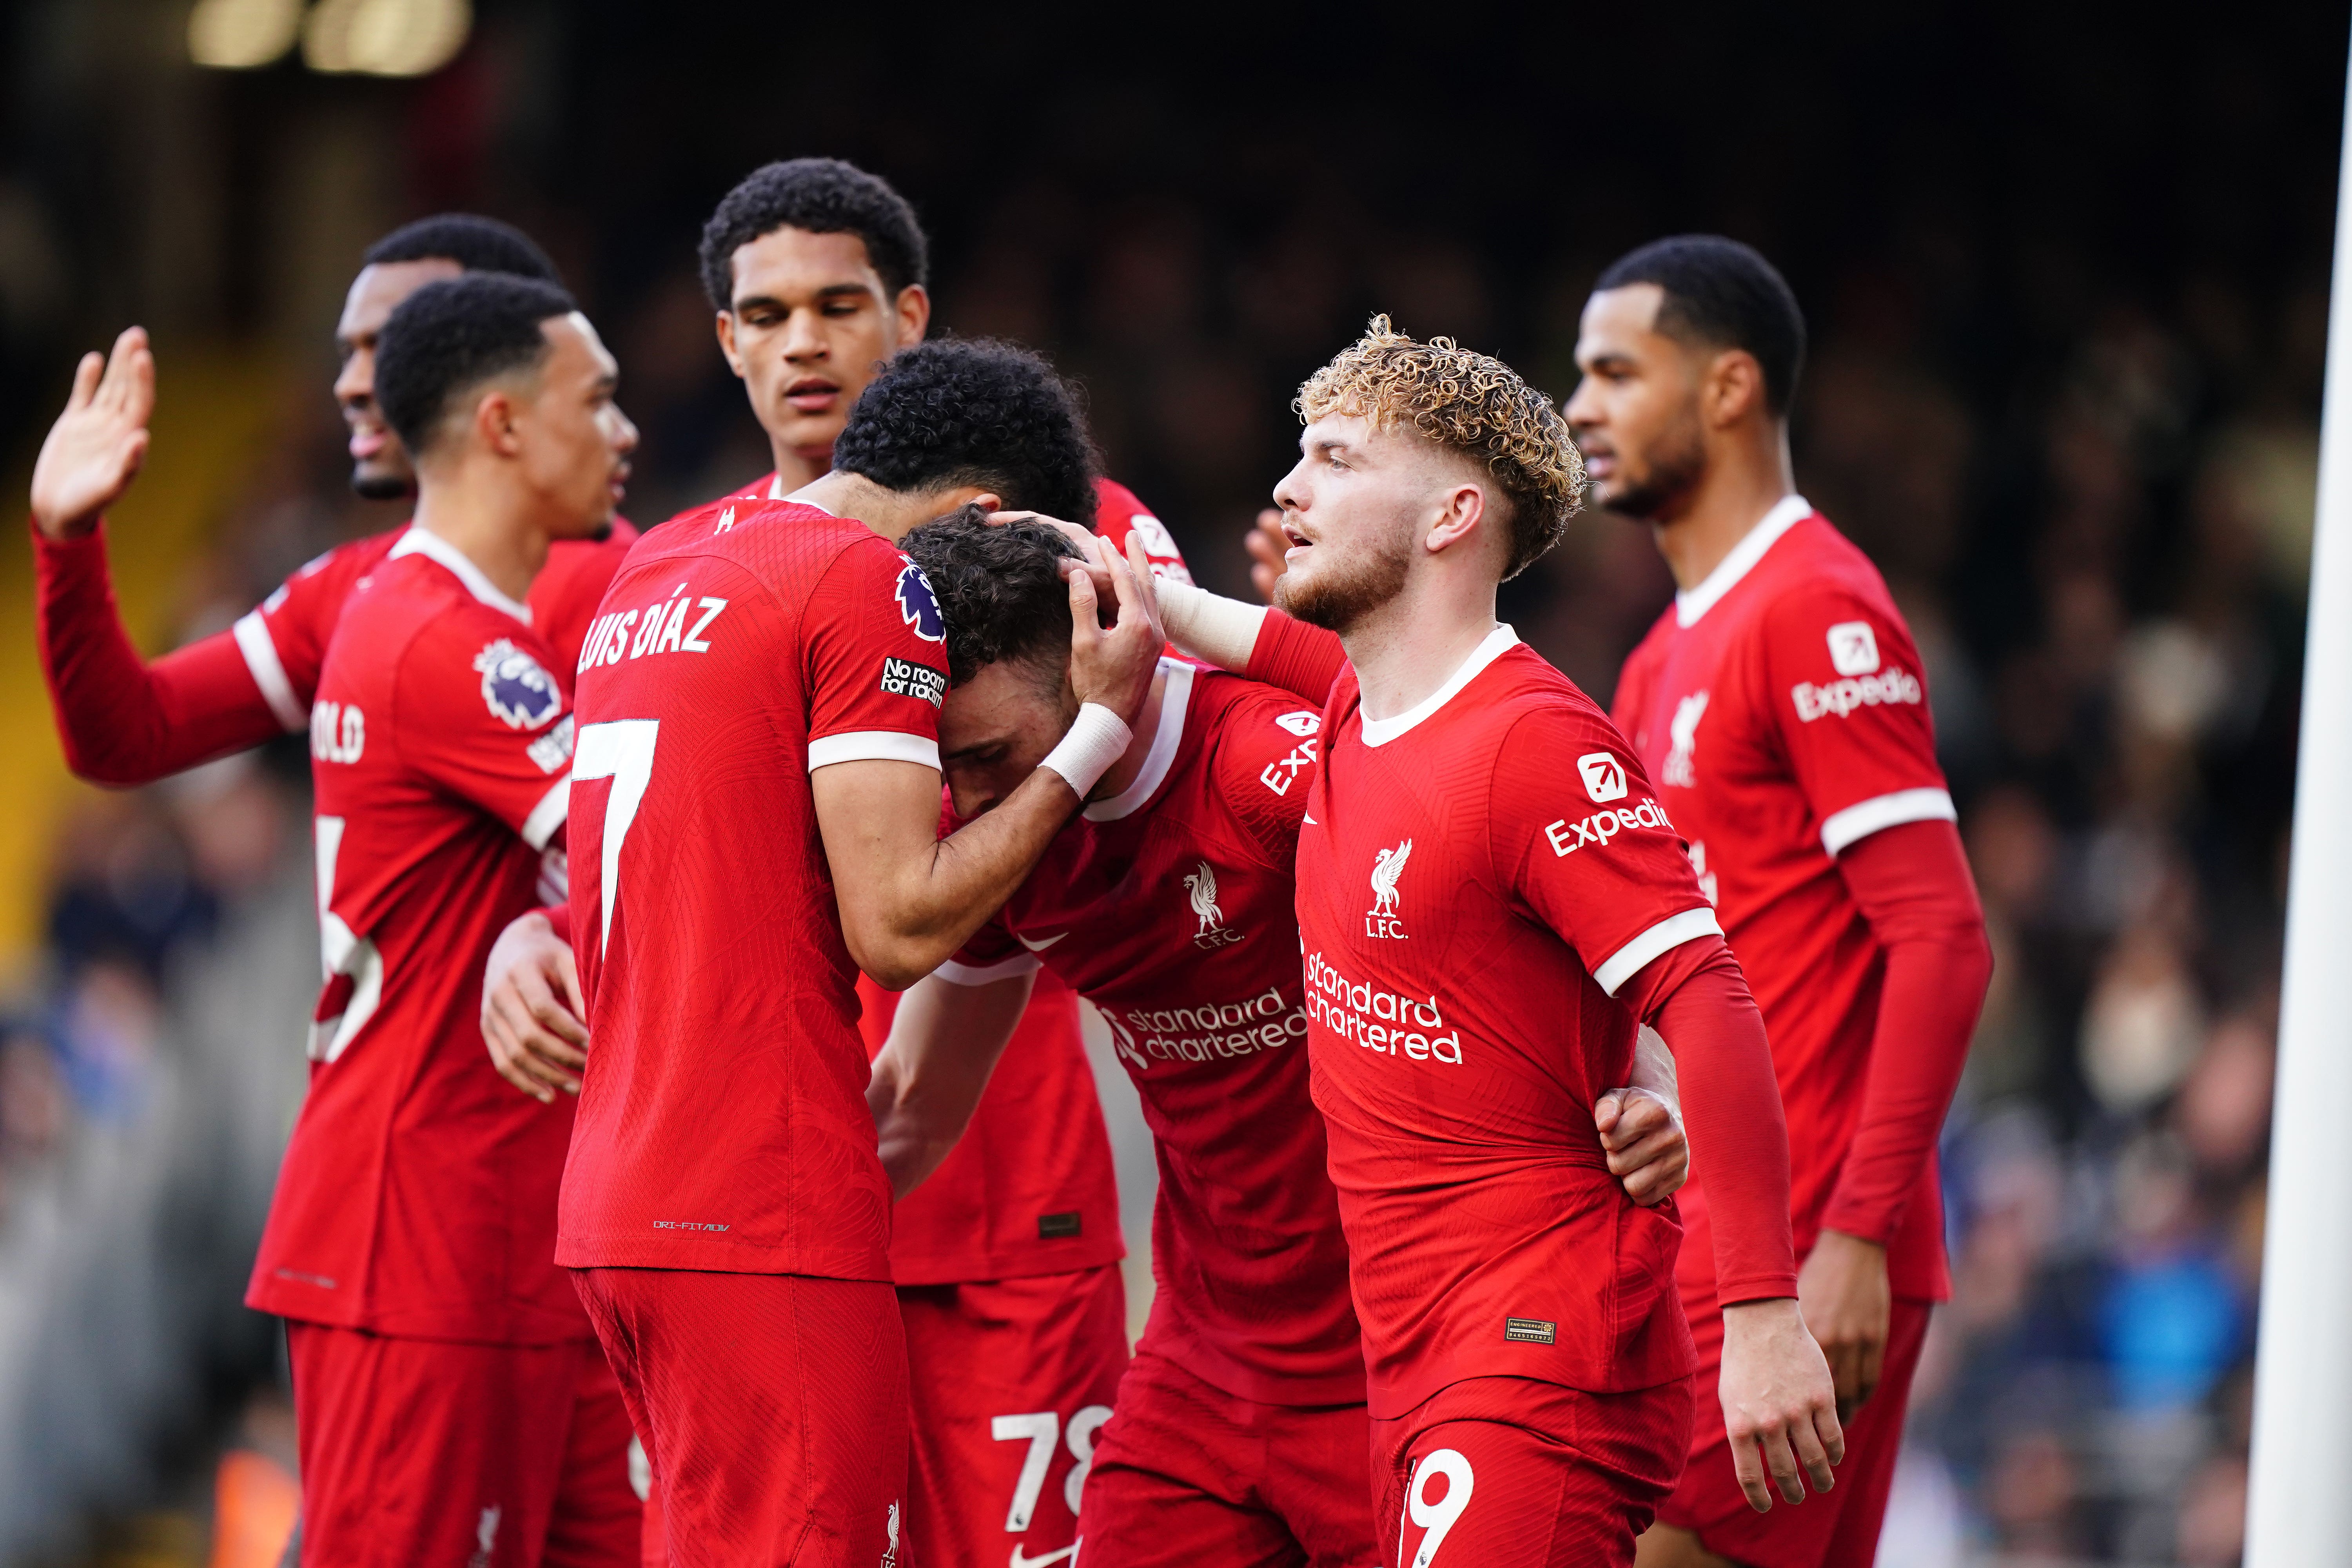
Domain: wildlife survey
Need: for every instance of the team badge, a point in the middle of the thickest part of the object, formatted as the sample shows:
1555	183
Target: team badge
1387	867
519	693
1202	887
918	607
1684	731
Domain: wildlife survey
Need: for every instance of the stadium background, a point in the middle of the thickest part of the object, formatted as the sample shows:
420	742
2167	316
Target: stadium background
2066	276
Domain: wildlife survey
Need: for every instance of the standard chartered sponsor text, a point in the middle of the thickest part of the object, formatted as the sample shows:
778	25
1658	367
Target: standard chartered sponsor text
1206	1030
1378	1020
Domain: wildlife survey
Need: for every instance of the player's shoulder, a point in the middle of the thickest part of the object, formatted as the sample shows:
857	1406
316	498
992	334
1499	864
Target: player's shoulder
781	542
1235	711
332	572
1535	711
1816	564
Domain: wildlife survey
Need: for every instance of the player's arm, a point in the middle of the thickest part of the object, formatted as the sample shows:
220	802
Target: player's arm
532	1009
1913	885
945	1040
121	721
1630	906
908	898
1850	709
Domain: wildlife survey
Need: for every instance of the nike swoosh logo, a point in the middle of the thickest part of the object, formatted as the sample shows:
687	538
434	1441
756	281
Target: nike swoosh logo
1312	823
1037	947
1069	1552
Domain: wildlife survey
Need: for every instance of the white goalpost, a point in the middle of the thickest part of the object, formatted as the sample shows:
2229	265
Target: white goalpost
2299	1511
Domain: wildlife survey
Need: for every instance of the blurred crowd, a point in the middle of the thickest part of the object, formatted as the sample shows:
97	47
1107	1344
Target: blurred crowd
2079	439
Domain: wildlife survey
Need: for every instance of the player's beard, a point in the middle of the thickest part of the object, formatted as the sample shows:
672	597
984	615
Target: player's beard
377	485
1674	470
1338	596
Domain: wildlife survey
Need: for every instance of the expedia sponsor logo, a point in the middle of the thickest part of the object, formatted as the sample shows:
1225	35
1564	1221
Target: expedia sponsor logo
1363	1015
904	678
1842	697
1567	838
1854	649
1207	1031
1604	776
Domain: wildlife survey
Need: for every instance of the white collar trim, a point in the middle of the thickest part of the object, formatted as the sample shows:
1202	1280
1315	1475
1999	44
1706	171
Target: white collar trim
1175	701
776	487
1500	641
1788	512
424	542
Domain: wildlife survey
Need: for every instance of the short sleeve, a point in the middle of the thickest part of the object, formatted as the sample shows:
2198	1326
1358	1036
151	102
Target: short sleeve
1264	761
1849	700
1118	513
1579	837
284	638
874	661
479	712
990	954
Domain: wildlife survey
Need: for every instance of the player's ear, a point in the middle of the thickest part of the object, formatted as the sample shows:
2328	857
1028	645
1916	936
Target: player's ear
1734	388
1463	508
726	327
913	307
496	422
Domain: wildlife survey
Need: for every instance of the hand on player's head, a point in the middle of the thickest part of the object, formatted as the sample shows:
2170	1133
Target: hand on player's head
95	449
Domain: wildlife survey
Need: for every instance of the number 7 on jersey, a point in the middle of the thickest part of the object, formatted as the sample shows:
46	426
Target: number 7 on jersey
623	750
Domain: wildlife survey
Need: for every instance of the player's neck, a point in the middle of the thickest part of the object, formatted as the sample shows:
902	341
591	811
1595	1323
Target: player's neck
503	541
1740	485
794	468
1410	647
1129	766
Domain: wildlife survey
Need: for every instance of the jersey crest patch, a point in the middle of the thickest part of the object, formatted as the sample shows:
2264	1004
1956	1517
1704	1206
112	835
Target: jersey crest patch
918	607
519	693
1387	867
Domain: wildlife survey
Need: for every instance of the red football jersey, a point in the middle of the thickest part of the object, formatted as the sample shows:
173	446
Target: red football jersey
417	1195
285	638
125	722
1170	907
1782	708
1478	879
724	1122
1030	1187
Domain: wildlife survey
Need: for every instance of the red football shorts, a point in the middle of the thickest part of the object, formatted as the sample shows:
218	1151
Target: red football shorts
1507	1469
426	1451
772	1409
1837	1529
1188	1474
1009	1382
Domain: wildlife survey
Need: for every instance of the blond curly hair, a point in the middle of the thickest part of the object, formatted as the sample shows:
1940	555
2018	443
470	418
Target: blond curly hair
1468	402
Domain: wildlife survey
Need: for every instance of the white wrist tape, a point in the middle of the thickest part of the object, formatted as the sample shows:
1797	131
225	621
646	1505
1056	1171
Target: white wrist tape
1097	738
1209	626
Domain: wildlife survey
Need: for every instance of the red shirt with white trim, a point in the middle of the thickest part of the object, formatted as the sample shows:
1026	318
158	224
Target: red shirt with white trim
1479	880
724	1122
124	721
1782	710
417	1196
1171	907
1030	1188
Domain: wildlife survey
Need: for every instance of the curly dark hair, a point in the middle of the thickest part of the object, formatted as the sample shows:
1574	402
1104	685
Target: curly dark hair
999	587
822	195
449	337
476	244
1721	294
973	411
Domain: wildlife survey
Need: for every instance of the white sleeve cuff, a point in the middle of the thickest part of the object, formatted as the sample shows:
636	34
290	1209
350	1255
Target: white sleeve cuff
1011	968
1859	821
872	746
1667	934
549	814
260	651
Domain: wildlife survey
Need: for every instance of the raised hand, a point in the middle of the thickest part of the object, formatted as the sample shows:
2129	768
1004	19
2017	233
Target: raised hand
1267	546
1111	666
95	449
